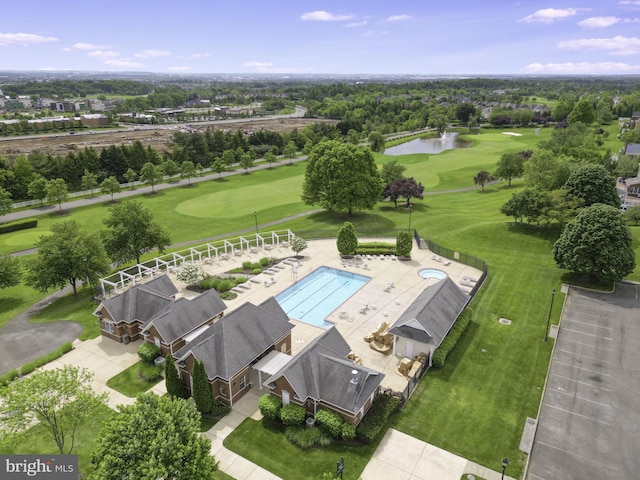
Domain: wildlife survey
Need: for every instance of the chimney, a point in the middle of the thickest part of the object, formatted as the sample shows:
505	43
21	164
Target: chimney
354	377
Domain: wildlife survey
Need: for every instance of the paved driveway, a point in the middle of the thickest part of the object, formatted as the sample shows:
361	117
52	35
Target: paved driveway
589	423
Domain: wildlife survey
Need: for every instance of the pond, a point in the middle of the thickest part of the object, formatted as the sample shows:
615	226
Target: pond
449	141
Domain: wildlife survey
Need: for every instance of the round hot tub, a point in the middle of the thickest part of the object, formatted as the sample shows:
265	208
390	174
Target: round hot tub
432	273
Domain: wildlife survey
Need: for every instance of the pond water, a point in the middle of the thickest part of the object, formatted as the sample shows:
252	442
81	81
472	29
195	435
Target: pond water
429	145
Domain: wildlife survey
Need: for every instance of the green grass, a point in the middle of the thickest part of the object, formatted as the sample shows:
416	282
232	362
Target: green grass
258	441
129	383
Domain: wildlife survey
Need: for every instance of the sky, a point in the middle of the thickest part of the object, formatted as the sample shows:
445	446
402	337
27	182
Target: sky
413	37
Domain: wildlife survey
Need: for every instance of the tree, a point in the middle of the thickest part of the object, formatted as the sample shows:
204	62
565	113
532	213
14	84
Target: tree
482	178
598	244
246	162
583	112
229	158
290	151
391	171
189	272
175	386
404	243
131	231
201	393
188	170
38	188
408	188
298	244
58	399
438	121
353	137
219	166
347	242
130	175
376	142
341	177
170	168
269	157
66	256
546	171
464	111
164	431
110	186
633	214
57	191
151	174
9	271
510	166
593	184
5	202
89	181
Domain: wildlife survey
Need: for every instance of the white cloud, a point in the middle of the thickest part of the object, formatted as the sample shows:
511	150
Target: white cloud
87	46
581	68
124	63
322	16
617	45
598	22
7	39
103	54
375	33
258	64
549	15
397	18
356	24
152	54
197	56
630	2
181	68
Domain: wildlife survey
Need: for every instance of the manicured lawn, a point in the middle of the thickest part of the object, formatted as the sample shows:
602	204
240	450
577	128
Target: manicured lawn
265	445
128	383
74	308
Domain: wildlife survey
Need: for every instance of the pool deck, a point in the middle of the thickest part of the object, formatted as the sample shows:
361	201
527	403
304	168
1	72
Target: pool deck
385	304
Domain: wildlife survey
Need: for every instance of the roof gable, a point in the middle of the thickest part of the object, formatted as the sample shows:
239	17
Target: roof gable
430	317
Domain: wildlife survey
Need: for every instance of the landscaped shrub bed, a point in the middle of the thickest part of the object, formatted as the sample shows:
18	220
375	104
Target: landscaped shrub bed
376	418
292	414
458	328
148	352
255	268
307	437
149	372
31	366
18	226
330	422
269	406
376	248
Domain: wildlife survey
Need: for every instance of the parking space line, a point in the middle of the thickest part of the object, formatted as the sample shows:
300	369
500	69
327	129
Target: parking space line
582	368
596	325
533	475
589	334
582	356
578	381
577	414
578	456
586	344
581	398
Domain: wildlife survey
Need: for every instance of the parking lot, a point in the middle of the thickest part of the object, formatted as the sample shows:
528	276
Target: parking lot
589	422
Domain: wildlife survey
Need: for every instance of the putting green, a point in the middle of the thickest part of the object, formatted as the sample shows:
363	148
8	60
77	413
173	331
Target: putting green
25	239
227	204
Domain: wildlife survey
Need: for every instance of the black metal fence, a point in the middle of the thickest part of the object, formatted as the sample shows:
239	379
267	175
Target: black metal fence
414	382
462	258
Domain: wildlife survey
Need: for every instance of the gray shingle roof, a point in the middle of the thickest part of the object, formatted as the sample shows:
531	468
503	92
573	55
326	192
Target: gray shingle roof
430	317
322	372
183	315
141	302
236	340
632	149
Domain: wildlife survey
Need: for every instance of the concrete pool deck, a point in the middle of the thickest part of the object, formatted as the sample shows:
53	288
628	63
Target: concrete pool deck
385	304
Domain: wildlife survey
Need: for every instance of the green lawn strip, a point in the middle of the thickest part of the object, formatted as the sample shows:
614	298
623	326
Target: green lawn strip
16	299
266	445
38	439
128	383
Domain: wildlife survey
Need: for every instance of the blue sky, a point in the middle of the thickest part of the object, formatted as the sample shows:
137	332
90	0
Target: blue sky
461	37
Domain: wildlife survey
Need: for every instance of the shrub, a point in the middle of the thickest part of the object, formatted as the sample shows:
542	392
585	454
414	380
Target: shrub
404	243
376	250
330	422
256	265
376	418
307	437
458	328
18	226
189	272
247	265
347	241
219	409
348	431
292	414
149	371
8	377
269	406
264	261
257	271
148	352
207	282
225	286
27	368
240	279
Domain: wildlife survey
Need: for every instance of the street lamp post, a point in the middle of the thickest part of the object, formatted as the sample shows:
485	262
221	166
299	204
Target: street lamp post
505	462
546	333
255	215
409	218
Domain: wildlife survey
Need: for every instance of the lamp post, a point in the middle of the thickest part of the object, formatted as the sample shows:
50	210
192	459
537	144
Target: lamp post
546	333
255	216
505	462
409	218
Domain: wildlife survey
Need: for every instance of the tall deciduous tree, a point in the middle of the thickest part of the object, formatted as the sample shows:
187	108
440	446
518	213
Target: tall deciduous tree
131	231
202	395
633	214
9	271
89	181
403	188
246	162
151	174
341	177
164	431
391	171
110	186
482	178
583	112
376	142
38	188
66	256
347	241
510	166
57	191
219	166
546	170
58	399
598	244
188	170
5	202
290	151
593	184
175	386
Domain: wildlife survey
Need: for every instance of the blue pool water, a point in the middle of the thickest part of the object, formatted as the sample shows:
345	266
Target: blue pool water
432	273
314	297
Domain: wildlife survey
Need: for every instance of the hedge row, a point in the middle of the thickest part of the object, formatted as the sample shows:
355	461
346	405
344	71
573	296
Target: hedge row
292	414
18	226
269	406
376	418
148	352
31	366
458	328
330	422
381	250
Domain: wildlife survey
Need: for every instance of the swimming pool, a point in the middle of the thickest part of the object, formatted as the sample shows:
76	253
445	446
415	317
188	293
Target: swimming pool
432	273
313	298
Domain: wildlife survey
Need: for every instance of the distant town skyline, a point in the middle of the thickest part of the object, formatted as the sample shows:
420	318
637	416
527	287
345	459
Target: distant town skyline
457	37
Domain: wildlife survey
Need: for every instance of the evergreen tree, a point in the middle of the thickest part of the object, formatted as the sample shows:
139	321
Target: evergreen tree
175	387
201	393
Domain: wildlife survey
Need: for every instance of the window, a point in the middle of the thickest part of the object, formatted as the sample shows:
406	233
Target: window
108	327
243	382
